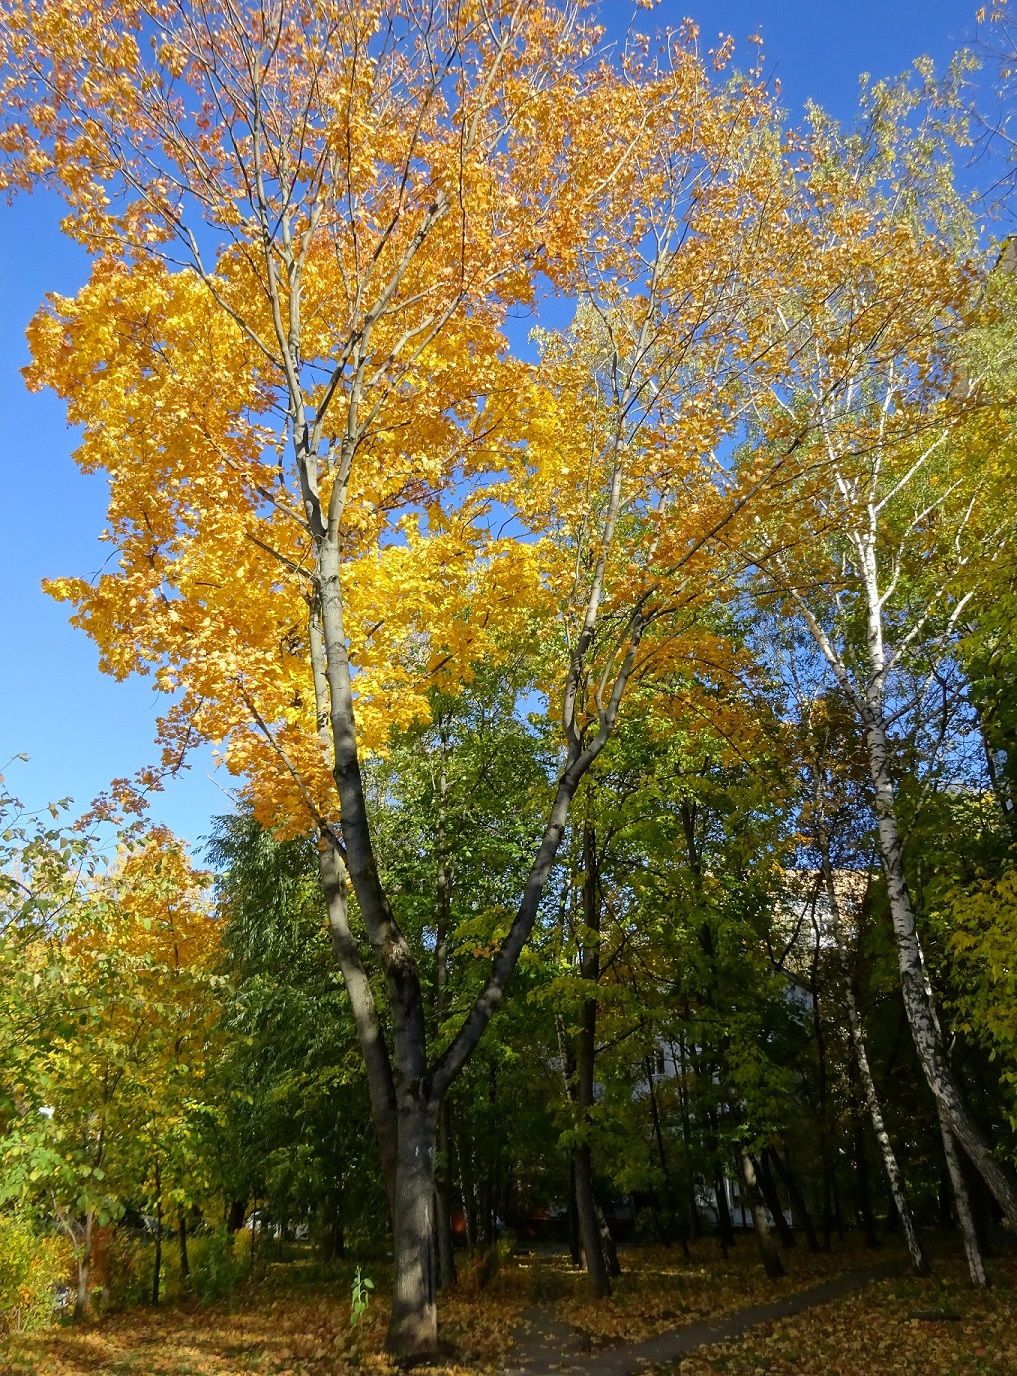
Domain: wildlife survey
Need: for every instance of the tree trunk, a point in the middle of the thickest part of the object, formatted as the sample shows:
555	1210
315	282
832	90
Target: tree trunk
671	1202
185	1264
827	1206
468	1190
863	1195
795	1195
866	1217
921	1015
769	1192
607	1243
443	919
83	1295
822	1086
447	1276
838	1212
413	1327
365	1016
585	1057
157	1262
333	1232
916	1252
589	1227
339	1226
965	1217
768	1254
575	1240
725	1228
689	1181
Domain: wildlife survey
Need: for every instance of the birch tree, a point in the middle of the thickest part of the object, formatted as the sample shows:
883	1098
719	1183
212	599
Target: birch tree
897	513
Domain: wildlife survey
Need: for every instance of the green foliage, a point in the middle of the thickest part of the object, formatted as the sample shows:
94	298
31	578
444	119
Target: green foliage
29	1274
287	1082
218	1263
360	1296
129	1262
489	1261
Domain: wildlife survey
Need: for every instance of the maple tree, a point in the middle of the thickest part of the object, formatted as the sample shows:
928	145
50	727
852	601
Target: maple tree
307	227
450	609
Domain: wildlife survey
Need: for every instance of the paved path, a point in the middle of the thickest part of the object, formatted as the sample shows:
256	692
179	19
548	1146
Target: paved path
549	1346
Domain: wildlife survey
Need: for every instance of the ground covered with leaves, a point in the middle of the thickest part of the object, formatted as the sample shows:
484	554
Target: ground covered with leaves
660	1289
297	1323
938	1326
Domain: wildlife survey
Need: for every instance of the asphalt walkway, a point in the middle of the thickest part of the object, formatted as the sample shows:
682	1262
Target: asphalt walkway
547	1345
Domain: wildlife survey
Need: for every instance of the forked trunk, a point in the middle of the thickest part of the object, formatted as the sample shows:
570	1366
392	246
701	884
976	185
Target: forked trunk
962	1206
795	1195
405	1090
768	1187
768	1254
413	1327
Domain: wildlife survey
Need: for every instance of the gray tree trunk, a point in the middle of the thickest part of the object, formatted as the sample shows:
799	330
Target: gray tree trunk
413	1326
585	1060
589	1226
403	1085
916	1252
768	1254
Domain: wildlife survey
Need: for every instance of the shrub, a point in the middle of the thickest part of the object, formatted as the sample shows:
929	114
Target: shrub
486	1264
217	1264
31	1267
129	1269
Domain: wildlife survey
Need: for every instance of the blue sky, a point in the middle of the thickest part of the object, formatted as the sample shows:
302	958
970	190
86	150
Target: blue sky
81	729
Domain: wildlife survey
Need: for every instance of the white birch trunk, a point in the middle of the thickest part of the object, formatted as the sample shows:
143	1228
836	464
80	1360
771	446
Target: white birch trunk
890	1165
920	1013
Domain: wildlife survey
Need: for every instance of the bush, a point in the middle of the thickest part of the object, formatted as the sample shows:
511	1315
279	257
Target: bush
129	1269
217	1263
486	1264
31	1267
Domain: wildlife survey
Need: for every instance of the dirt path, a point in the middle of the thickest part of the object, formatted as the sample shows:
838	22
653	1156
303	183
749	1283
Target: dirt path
547	1345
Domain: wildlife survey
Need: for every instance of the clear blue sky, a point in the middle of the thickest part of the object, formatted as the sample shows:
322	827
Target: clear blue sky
81	729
